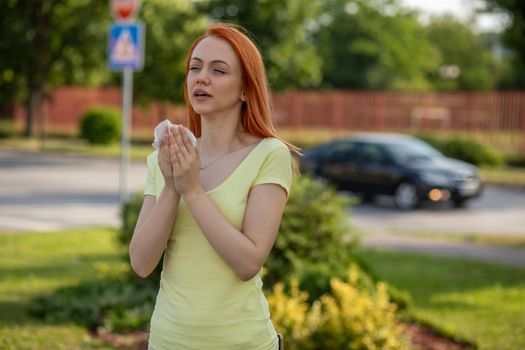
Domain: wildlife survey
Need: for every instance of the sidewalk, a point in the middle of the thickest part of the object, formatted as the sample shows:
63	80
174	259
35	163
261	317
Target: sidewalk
508	256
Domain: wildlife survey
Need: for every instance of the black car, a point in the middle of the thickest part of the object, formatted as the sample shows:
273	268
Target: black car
403	166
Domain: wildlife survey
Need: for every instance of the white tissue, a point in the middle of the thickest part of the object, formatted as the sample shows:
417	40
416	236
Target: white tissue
158	133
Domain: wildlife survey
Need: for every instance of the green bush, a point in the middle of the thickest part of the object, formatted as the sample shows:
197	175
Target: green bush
114	300
129	215
516	160
472	152
7	129
464	149
100	125
315	241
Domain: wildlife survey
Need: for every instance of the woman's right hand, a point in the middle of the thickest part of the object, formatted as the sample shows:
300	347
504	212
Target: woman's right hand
165	161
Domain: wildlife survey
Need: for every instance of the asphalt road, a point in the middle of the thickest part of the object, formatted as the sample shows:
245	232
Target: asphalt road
500	210
41	192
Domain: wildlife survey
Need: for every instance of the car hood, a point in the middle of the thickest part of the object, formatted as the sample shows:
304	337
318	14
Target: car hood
444	165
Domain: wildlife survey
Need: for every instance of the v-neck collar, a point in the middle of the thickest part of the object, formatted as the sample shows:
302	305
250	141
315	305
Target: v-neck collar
252	151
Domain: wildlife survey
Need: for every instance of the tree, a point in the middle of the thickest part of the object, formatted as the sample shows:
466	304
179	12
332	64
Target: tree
473	62
374	45
49	43
171	27
513	37
281	29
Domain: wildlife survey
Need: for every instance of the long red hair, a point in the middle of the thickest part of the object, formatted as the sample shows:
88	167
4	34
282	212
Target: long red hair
255	113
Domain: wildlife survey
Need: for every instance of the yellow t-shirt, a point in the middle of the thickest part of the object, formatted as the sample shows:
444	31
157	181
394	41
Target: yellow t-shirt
201	303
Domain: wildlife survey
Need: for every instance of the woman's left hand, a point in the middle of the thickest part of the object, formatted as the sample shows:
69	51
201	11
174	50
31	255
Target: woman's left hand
185	162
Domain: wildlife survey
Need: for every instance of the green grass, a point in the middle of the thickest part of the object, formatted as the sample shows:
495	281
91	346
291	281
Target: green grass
504	176
480	302
35	264
74	146
497	239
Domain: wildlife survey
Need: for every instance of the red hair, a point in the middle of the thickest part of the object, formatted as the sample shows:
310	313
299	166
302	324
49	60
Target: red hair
255	113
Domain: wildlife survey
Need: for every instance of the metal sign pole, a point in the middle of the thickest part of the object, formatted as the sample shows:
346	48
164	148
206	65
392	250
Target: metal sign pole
126	53
127	102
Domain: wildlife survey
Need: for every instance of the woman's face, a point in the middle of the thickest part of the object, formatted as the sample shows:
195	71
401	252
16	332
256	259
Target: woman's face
214	80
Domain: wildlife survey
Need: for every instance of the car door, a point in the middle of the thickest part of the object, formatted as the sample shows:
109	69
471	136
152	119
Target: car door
340	165
376	171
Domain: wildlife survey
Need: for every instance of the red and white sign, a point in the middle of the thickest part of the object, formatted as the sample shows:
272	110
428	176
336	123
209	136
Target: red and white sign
124	10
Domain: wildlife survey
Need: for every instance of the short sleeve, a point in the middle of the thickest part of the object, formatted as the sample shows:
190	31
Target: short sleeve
277	169
150	187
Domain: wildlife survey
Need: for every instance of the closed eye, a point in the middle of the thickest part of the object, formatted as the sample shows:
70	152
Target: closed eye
219	71
194	68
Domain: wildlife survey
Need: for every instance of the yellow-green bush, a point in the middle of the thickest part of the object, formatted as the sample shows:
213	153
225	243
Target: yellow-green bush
351	317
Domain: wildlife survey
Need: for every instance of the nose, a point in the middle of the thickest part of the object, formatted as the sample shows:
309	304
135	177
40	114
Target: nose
202	78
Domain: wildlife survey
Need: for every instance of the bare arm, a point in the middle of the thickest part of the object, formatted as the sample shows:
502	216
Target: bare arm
155	221
244	251
153	231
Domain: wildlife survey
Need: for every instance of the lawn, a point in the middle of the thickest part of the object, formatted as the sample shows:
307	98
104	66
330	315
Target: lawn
494	239
34	264
504	176
481	302
74	146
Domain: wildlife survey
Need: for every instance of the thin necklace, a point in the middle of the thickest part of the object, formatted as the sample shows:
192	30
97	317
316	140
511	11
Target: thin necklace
219	156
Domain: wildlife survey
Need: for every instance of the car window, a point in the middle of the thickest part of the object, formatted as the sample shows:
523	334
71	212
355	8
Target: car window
343	150
413	151
371	153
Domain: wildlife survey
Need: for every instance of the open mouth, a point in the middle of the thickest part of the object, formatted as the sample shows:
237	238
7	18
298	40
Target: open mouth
200	93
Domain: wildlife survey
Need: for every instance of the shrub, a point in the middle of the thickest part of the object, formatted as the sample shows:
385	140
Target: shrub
129	215
516	160
114	300
100	125
7	129
314	237
472	152
464	149
352	317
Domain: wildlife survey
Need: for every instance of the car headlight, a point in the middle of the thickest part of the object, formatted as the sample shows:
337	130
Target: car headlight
435	178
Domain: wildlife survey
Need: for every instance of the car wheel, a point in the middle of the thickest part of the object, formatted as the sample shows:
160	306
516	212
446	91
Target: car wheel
367	198
406	197
459	203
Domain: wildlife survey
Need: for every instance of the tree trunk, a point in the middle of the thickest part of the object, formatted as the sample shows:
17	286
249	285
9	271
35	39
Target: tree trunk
34	111
7	111
39	72
28	132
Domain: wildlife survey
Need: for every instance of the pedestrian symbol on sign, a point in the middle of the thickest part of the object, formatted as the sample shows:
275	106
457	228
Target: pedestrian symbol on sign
126	45
124	49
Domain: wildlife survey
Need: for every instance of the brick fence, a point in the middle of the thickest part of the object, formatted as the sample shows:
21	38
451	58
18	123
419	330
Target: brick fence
64	106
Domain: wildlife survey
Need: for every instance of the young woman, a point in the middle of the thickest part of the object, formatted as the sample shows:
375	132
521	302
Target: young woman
214	209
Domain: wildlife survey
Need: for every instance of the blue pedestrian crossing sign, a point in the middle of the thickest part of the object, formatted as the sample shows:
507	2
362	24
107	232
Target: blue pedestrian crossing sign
126	46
